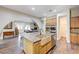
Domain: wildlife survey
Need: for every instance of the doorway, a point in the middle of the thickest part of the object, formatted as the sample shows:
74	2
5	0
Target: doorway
62	27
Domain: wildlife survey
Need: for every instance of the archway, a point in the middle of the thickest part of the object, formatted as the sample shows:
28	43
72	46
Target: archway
12	31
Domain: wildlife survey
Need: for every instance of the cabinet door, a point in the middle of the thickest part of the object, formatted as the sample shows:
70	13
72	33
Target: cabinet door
36	48
77	22
43	50
72	22
78	39
74	38
28	46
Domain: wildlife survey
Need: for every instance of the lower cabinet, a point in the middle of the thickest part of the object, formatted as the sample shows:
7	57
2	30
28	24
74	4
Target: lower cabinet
74	38
78	38
49	46
28	46
36	47
43	50
8	34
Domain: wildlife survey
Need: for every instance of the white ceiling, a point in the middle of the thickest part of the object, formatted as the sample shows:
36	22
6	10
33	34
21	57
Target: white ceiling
40	10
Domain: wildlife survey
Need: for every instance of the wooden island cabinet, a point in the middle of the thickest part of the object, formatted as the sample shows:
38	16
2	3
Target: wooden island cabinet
40	45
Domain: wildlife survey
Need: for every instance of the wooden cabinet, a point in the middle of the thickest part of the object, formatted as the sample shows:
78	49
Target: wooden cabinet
78	38
74	28
28	46
73	38
49	46
43	49
8	34
75	22
36	47
72	22
51	25
51	22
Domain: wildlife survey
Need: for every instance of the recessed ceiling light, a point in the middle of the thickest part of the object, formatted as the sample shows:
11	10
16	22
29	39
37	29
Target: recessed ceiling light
33	8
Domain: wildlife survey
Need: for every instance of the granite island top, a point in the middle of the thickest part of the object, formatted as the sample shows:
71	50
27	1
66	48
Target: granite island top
34	37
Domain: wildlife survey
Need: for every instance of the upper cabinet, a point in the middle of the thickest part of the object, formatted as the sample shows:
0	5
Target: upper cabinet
50	21
74	26
51	25
75	22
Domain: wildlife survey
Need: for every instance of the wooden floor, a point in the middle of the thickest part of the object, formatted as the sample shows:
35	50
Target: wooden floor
12	47
62	47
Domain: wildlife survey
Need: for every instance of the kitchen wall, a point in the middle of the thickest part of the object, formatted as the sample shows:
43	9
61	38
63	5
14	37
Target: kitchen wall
7	15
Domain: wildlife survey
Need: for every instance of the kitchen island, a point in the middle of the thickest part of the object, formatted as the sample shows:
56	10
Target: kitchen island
37	44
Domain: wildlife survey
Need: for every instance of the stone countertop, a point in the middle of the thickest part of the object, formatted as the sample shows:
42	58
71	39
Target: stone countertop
30	36
34	37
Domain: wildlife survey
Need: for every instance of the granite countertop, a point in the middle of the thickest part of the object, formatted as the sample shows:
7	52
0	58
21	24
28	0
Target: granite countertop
34	37
30	36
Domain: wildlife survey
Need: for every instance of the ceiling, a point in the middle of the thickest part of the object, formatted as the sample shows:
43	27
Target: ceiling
39	10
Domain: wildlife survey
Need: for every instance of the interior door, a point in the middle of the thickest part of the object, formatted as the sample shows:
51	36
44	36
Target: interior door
62	26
